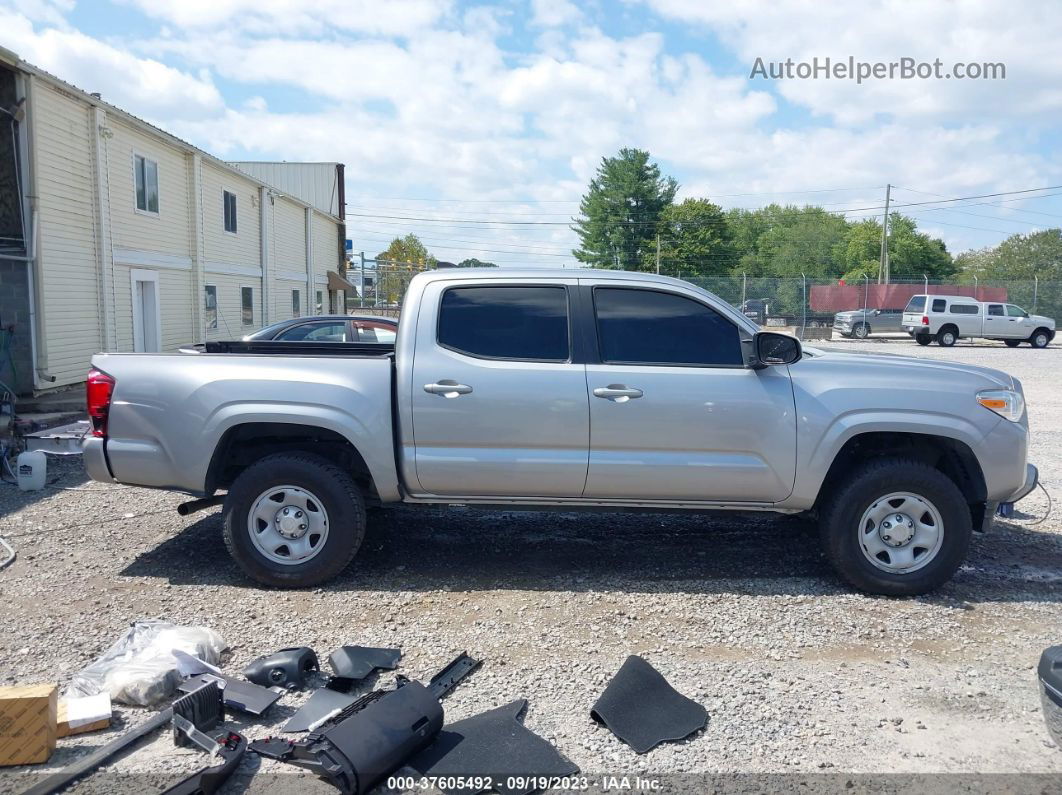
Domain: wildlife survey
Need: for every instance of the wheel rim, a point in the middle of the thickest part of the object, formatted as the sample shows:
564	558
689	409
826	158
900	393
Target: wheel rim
861	332
949	338
901	532
1041	340
288	525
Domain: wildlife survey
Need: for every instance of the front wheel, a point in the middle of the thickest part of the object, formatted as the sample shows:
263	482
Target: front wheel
293	520
1040	338
896	527
862	331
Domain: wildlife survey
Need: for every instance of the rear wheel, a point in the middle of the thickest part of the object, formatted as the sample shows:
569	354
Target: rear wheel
896	527
1012	343
861	332
1040	338
293	519
923	339
947	337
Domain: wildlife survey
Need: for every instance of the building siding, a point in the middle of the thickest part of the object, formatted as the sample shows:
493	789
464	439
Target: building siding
69	283
92	237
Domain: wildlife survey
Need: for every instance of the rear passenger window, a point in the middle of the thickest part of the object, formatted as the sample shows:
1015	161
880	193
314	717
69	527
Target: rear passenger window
506	322
995	310
964	309
939	304
650	327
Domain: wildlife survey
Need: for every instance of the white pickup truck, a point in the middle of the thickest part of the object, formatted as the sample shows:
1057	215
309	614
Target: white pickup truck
566	390
949	318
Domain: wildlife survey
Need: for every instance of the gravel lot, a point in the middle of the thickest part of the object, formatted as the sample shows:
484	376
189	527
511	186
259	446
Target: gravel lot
740	613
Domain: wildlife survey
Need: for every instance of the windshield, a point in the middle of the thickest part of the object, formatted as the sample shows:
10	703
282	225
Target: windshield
917	304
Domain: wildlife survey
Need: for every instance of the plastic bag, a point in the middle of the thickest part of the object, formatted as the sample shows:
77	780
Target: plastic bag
141	668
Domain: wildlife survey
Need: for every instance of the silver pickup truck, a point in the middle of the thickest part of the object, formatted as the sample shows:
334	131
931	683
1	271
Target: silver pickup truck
567	389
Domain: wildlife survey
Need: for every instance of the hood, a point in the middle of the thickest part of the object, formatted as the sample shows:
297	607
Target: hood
990	375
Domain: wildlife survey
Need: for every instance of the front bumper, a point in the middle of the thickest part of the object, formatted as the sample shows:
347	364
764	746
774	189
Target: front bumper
1032	477
95	459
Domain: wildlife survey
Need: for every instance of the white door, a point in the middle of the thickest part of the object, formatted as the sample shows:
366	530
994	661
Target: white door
147	325
1020	324
996	321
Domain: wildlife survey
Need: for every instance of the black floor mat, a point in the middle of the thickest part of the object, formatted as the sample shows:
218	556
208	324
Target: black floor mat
643	710
493	744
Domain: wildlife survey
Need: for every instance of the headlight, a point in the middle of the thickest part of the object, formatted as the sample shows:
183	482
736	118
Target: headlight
1005	402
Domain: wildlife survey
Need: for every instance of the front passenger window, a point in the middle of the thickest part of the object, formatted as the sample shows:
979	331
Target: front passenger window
651	327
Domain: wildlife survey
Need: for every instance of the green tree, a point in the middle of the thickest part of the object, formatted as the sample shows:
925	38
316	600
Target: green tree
695	240
620	213
407	250
472	262
1018	258
913	254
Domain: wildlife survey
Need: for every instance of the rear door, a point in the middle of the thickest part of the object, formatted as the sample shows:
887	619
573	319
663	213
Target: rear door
674	413
996	325
498	406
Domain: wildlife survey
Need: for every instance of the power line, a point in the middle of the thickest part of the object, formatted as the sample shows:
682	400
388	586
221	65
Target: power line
577	201
998	204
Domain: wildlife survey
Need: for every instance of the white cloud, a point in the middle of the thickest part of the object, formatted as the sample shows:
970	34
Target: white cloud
554	13
1024	36
142	85
296	17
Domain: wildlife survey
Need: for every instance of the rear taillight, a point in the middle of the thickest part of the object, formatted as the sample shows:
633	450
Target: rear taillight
98	389
925	320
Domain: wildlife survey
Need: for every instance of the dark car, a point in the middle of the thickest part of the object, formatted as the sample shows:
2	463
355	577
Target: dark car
330	328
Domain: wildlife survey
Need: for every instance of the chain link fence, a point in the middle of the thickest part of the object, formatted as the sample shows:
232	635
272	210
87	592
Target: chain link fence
804	304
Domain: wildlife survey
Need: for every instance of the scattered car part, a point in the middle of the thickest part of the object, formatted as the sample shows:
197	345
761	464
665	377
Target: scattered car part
239	696
198	705
202	710
324	703
494	745
643	710
286	668
375	734
353	663
230	747
1049	673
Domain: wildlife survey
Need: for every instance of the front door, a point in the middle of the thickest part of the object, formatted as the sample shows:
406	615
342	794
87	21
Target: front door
1019	324
499	409
146	321
674	413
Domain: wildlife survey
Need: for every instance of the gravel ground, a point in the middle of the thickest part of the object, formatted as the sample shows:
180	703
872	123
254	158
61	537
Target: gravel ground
740	613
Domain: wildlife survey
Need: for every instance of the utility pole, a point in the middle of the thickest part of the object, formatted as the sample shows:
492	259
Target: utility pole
657	253
883	266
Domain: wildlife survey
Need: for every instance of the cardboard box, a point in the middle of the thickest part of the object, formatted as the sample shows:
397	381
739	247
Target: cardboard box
79	715
27	724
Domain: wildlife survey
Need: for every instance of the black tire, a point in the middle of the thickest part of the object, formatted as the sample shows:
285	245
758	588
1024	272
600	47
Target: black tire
861	332
947	336
332	486
923	339
845	506
1040	338
1012	343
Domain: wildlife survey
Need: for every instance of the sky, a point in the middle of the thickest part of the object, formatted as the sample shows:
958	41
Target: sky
478	125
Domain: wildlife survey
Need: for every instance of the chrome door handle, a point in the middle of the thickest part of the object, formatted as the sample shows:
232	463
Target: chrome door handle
447	388
617	393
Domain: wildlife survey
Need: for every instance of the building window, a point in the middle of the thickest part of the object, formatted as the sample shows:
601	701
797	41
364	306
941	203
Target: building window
210	305
296	310
146	175
229	200
320	302
247	305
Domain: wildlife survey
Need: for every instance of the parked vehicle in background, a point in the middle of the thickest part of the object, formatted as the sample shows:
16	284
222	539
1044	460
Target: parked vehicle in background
949	318
330	328
861	323
755	309
567	389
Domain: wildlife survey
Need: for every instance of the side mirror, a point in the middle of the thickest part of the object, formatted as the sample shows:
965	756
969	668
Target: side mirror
772	348
877	312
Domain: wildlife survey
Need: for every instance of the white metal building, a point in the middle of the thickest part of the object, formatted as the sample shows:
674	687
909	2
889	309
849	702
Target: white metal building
134	240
